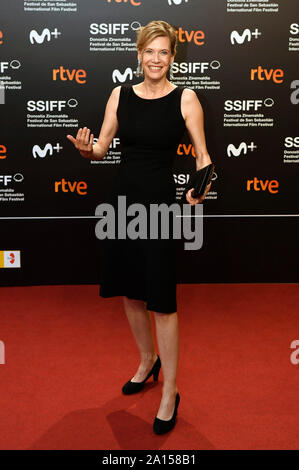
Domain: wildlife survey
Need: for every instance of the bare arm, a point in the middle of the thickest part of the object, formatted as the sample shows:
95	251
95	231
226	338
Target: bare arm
194	120
84	140
109	125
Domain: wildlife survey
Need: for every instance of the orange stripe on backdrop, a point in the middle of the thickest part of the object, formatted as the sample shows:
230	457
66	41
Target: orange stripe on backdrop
1	259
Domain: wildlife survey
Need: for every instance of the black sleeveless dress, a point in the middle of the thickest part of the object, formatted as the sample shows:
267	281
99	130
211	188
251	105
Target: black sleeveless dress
150	131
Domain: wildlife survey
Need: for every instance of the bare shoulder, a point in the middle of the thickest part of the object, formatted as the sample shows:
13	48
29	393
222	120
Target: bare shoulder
189	102
189	96
116	91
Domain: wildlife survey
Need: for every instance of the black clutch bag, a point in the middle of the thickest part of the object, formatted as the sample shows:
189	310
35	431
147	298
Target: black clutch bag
199	181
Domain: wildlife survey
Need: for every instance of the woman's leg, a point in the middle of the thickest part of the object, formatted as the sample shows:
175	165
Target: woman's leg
168	344
140	322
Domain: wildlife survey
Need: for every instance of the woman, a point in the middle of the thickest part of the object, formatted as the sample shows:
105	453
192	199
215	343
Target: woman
151	118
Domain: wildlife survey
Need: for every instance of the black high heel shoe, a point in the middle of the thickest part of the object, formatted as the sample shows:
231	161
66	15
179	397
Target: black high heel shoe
134	387
161	426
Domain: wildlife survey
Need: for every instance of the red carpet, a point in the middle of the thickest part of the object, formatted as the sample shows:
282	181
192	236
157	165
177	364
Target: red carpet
68	352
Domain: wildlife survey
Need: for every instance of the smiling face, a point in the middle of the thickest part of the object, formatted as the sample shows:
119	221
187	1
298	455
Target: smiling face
156	57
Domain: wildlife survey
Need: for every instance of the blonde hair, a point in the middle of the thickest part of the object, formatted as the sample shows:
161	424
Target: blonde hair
152	30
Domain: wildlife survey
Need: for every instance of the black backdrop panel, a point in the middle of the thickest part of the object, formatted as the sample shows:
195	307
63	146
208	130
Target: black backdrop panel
60	61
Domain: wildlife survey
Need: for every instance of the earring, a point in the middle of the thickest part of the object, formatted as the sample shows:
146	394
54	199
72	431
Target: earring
139	70
171	71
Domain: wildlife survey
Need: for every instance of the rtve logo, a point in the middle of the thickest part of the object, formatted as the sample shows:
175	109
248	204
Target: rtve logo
80	187
260	185
134	3
196	36
37	151
65	74
264	74
3	152
13	64
290	142
236	38
184	149
242	149
36	38
50	105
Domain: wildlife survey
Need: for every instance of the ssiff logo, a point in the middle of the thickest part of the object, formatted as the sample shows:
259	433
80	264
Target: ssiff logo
51	105
10	259
13	64
195	67
291	142
113	28
183	178
7	179
247	105
294	29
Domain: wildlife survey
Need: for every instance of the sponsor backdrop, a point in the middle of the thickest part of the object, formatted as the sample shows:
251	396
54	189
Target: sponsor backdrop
59	61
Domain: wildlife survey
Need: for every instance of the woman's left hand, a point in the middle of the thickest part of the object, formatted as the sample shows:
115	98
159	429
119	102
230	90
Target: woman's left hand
194	200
